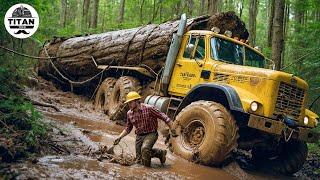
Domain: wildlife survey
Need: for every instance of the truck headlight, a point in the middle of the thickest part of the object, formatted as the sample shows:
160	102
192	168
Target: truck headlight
254	106
316	122
305	120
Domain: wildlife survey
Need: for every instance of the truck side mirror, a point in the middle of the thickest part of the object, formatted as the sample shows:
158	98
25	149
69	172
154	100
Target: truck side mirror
272	66
190	49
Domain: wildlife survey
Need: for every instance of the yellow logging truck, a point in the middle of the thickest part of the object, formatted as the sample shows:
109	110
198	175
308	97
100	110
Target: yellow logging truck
222	95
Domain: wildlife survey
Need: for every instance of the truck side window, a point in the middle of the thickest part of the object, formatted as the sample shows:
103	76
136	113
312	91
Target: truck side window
200	47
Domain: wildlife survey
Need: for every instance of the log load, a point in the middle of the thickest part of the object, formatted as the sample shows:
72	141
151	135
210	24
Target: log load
146	45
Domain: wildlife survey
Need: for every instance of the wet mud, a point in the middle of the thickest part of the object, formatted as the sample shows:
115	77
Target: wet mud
94	130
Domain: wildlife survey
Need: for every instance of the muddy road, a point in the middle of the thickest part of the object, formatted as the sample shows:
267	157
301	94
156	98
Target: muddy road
94	130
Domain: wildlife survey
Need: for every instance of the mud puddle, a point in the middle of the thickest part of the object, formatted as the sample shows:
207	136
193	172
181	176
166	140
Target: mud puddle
95	129
104	133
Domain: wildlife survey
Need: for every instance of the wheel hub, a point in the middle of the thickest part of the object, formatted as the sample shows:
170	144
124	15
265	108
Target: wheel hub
193	134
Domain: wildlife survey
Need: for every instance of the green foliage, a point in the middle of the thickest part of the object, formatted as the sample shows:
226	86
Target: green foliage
20	122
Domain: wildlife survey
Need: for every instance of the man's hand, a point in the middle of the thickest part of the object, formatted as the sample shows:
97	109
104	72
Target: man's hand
116	142
173	133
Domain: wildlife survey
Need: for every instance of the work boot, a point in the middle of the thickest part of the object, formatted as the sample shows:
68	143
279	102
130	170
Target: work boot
163	157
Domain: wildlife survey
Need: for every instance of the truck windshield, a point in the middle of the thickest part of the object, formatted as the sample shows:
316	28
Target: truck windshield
254	59
227	51
230	52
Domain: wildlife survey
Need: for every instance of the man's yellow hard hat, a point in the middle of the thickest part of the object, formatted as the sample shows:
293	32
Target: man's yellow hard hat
133	95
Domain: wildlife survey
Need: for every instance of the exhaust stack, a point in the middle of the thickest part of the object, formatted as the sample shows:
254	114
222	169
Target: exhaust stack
172	54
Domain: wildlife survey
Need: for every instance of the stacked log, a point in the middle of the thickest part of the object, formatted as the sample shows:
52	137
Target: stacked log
146	45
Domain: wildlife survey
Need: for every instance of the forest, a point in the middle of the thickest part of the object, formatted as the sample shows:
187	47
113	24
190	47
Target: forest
286	31
291	26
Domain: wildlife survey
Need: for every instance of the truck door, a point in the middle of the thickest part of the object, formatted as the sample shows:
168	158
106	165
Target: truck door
189	63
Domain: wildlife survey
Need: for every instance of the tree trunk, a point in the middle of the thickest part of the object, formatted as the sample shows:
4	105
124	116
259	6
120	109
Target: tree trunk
253	12
202	9
285	29
270	24
121	11
298	41
78	15
147	45
241	8
213	6
190	7
94	17
85	13
104	16
178	9
63	13
141	12
277	37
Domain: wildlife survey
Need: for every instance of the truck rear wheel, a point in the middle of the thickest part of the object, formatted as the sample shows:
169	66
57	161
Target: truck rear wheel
290	159
116	107
103	93
208	133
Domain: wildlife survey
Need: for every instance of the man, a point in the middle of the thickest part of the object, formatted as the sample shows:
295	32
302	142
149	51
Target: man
144	118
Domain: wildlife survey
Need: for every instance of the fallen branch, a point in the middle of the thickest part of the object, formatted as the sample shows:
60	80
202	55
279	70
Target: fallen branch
37	103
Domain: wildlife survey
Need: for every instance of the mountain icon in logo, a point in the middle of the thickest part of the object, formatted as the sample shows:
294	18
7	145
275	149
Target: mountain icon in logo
22	12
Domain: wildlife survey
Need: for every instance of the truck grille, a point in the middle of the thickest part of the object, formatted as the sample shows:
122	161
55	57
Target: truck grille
289	101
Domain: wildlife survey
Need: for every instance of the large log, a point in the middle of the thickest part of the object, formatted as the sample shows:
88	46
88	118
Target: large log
143	45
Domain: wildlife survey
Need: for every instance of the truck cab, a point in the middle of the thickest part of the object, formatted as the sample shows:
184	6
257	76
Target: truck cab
208	57
222	94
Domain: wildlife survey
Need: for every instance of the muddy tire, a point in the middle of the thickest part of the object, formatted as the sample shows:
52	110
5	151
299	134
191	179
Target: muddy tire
103	93
208	133
116	107
291	158
148	90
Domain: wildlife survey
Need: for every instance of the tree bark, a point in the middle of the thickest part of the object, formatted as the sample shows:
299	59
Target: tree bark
241	8
94	17
202	5
299	23
85	13
177	9
121	11
277	37
78	15
270	24
213	6
253	12
285	29
63	13
147	45
190	7
104	16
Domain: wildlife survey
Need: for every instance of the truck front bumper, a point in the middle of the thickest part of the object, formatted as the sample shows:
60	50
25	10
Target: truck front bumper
281	129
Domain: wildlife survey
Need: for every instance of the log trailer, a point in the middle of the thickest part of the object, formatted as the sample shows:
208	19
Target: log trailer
221	95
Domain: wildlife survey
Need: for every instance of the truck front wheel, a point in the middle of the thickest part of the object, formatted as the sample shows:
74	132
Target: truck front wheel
289	160
208	133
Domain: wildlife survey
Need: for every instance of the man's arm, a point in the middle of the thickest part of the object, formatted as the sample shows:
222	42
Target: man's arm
125	132
160	115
